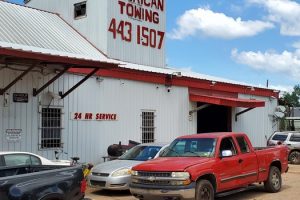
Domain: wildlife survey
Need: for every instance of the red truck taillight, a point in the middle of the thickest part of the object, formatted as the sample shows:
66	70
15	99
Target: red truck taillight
83	186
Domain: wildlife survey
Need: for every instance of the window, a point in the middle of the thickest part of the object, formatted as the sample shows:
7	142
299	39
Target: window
51	128
228	144
280	137
187	147
148	128
20	159
80	10
35	160
295	137
243	144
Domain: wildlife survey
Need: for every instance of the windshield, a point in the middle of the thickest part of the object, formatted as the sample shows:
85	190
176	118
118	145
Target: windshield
192	147
280	137
140	153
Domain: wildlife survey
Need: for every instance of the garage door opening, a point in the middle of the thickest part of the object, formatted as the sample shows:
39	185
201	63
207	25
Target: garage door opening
213	118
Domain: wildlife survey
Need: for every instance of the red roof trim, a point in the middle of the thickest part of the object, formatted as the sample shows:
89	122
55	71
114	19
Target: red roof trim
227	101
157	78
55	59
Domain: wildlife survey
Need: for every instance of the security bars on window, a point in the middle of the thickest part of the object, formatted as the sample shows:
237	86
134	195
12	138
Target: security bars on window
51	128
148	128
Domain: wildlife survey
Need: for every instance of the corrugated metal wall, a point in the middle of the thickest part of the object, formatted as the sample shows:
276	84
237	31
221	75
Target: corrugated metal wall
257	123
90	139
96	24
93	26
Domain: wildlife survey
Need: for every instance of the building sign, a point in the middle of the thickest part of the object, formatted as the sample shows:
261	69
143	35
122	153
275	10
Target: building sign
137	27
79	116
13	135
140	10
20	97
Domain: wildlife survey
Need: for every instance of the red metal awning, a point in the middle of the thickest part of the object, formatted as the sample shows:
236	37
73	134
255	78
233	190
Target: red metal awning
227	101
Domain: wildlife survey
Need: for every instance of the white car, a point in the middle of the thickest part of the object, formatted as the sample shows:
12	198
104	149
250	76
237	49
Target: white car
13	158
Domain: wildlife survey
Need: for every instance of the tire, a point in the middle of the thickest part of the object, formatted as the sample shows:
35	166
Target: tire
274	181
294	157
205	190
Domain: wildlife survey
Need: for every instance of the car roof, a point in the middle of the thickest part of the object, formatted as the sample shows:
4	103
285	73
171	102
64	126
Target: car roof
160	144
286	132
16	152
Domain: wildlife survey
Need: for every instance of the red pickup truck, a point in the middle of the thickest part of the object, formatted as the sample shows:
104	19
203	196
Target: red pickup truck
204	166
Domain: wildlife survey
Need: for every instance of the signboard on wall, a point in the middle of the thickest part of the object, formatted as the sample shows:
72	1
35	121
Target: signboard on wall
20	97
81	116
136	31
13	135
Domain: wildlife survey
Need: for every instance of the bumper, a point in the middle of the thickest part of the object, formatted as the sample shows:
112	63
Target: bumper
163	192
110	183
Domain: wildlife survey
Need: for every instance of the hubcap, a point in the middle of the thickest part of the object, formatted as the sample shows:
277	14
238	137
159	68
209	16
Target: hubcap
205	193
275	180
294	157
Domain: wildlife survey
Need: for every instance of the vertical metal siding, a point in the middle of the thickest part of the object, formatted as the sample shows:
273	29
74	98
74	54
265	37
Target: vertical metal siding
257	123
95	28
89	139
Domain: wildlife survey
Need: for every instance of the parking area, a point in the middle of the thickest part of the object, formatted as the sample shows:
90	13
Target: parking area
290	190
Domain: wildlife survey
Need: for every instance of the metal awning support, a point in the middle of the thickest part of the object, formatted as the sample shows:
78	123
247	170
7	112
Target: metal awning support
2	91
78	84
199	108
242	112
37	91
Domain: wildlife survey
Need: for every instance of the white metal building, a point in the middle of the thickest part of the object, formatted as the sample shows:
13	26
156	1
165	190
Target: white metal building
42	56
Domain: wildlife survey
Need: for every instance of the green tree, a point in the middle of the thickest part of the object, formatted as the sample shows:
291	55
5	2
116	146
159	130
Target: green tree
291	100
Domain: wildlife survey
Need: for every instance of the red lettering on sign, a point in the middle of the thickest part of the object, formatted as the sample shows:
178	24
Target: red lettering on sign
77	115
88	116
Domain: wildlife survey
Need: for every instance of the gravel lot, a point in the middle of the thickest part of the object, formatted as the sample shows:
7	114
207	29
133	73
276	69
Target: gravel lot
290	191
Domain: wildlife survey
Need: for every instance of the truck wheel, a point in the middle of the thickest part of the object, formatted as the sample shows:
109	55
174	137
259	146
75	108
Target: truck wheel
204	190
273	183
294	157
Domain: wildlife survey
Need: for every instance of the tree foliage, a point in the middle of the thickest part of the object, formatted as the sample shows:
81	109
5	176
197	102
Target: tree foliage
291	99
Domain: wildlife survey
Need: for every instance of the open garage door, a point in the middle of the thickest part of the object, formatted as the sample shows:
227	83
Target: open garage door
213	118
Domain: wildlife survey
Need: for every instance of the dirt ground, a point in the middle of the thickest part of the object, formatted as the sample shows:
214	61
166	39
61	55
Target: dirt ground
290	191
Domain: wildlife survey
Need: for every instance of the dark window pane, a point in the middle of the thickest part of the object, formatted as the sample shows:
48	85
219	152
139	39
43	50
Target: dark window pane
243	144
280	137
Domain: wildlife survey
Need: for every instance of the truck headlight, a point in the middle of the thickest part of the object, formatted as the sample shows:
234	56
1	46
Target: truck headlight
181	175
121	172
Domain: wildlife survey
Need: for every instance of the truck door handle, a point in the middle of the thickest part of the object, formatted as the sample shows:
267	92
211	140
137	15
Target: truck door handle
240	160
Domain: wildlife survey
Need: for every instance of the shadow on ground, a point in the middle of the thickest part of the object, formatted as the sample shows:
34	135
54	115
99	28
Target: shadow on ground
257	193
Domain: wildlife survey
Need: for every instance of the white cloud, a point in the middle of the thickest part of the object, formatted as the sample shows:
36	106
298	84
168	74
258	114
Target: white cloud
287	63
203	21
296	45
284	12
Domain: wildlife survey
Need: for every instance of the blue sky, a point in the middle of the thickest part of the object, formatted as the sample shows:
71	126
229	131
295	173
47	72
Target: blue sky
250	41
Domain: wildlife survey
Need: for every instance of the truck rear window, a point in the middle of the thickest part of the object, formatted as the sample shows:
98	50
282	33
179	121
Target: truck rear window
280	137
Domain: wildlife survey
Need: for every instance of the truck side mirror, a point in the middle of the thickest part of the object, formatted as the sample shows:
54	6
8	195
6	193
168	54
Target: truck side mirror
227	153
